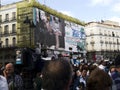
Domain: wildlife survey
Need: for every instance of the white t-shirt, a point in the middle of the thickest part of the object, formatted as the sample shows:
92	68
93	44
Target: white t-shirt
102	67
3	83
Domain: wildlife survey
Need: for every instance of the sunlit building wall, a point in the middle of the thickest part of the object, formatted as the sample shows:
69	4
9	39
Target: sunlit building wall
28	23
8	25
103	39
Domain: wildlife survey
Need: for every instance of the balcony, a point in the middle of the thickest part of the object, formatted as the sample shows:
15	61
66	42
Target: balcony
92	42
100	33
117	36
102	50
110	42
13	32
6	20
8	46
8	33
117	43
114	43
13	19
105	34
106	42
101	41
91	34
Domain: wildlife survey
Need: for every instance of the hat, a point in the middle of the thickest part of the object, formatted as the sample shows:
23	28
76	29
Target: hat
117	61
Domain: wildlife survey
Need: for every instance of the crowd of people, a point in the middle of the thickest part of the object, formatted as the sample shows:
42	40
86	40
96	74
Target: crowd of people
9	80
61	74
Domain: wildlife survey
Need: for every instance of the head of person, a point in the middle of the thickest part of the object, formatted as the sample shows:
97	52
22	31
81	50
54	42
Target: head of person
92	67
112	69
103	62
84	70
117	63
56	75
99	80
9	69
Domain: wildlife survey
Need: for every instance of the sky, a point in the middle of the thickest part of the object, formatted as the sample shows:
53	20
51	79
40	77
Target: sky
84	10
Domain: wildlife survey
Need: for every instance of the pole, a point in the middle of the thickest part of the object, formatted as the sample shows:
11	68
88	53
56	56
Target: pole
0	24
30	35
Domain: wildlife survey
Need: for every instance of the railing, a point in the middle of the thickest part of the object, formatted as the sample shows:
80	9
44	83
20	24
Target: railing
8	46
13	18
110	42
92	42
8	33
100	33
91	34
101	42
106	42
8	20
105	34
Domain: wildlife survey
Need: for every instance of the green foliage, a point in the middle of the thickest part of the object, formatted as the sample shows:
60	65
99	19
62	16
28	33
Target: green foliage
45	8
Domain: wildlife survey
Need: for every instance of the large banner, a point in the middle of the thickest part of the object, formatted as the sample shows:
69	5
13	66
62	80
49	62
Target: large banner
55	33
50	30
74	37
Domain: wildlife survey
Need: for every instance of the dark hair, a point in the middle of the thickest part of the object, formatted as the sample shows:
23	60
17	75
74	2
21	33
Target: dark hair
56	75
91	68
1	70
98	80
117	61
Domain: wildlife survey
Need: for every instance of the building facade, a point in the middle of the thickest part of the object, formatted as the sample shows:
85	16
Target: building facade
8	27
103	40
27	23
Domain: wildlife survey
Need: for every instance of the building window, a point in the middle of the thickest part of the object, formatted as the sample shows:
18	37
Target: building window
92	38
91	32
109	33
0	18
0	30
105	33
0	44
13	15
117	41
6	29
14	41
6	17
100	32
6	42
13	28
113	34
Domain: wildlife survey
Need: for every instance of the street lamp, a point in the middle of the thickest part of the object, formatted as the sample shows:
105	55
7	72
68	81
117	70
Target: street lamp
31	25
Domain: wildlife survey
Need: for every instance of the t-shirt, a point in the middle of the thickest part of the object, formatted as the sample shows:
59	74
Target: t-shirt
3	83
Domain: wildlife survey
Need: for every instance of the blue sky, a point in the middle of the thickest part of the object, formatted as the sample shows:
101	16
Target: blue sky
84	10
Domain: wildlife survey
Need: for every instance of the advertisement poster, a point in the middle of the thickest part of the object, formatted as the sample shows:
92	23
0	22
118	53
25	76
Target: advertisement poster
50	30
74	37
55	33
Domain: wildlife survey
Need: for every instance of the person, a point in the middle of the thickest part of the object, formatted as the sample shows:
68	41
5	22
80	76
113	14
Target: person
14	81
3	83
116	74
76	77
98	80
102	65
57	75
111	70
37	81
83	78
